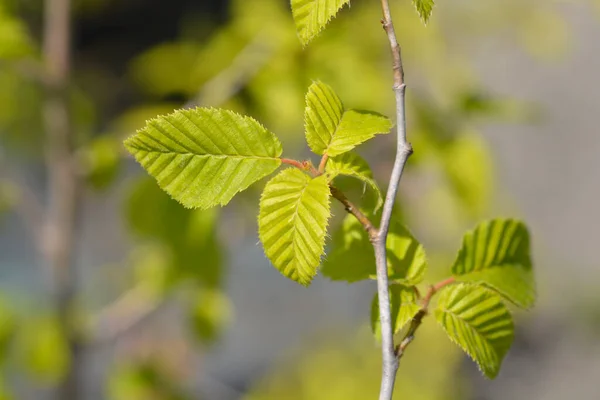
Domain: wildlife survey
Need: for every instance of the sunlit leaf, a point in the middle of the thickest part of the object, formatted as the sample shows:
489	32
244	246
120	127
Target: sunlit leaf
476	319
403	304
311	16
424	8
332	130
496	253
351	164
292	224
352	257
203	157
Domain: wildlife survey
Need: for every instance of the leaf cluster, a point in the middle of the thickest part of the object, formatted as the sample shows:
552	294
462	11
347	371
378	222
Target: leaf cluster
204	156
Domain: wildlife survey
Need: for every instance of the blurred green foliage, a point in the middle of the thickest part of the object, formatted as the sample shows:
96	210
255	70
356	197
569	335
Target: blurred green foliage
342	367
146	380
14	38
42	349
187	237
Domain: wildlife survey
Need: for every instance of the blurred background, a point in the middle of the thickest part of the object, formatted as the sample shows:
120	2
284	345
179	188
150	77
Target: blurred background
110	290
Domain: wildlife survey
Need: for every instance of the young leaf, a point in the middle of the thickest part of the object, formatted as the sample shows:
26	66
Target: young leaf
351	164
311	16
476	319
403	303
424	8
203	157
496	254
332	130
352	258
292	223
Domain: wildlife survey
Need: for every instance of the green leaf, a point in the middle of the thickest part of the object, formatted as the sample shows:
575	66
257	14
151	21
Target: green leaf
476	319
424	8
496	254
332	130
311	16
292	224
203	157
403	303
351	164
352	258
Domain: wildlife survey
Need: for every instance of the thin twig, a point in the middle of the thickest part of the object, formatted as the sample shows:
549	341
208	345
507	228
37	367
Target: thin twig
294	163
418	319
403	151
352	209
323	163
59	232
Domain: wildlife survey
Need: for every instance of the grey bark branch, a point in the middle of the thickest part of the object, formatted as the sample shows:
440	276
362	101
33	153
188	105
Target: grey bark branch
403	151
59	231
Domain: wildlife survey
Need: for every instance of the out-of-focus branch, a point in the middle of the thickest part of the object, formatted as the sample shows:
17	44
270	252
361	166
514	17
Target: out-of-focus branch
59	231
403	151
228	82
123	314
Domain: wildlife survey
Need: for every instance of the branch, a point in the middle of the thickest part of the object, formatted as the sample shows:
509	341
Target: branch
123	314
403	151
59	232
418	319
352	209
301	165
323	163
